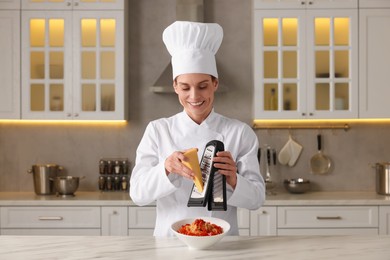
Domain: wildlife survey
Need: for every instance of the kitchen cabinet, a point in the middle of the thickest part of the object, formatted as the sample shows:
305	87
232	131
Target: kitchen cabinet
50	220
374	55
142	220
114	221
9	62
72	4
243	221
384	220
263	221
72	61
305	59
10	4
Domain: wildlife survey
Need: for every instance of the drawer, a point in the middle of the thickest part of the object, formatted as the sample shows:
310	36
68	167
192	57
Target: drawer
50	217
142	217
328	217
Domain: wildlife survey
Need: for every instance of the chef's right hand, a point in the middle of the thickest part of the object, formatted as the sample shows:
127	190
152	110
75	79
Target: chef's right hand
173	164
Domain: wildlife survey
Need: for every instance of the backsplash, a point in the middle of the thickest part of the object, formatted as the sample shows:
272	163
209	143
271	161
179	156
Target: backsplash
78	148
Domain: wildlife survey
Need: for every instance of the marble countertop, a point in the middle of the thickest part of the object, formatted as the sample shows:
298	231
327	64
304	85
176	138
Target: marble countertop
270	248
123	199
80	199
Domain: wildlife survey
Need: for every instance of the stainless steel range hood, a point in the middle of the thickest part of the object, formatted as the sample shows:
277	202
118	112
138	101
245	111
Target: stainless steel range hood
186	10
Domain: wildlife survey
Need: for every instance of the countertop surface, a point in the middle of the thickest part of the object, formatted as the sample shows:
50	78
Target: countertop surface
123	199
298	247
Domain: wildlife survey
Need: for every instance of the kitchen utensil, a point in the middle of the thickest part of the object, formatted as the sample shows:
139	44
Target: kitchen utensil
383	178
269	184
200	242
299	185
319	163
43	175
67	185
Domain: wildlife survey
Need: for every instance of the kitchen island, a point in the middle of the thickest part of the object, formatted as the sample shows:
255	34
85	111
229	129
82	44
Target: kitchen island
299	247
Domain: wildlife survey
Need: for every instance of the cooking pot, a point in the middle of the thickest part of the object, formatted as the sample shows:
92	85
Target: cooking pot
43	175
67	185
383	178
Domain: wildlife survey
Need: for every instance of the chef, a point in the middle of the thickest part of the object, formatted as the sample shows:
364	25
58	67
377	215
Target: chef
159	175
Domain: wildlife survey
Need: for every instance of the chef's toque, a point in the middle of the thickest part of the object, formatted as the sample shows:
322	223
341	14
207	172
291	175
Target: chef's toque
193	47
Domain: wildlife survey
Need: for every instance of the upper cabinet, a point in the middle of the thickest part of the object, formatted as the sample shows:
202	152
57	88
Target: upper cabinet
9	61
72	4
72	60
374	57
10	4
305	59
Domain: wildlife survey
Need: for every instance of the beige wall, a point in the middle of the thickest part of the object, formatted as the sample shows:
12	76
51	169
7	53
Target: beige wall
79	148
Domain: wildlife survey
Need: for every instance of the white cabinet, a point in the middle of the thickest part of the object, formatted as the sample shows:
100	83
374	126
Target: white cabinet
304	4
243	219
305	59
50	220
384	220
142	220
114	221
374	55
9	63
263	221
10	4
327	220
73	4
72	63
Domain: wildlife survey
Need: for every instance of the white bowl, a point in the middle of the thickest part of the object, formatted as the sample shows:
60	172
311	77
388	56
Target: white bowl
200	242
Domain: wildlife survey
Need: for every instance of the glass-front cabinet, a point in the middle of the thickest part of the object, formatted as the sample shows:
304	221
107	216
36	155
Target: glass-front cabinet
305	61
72	64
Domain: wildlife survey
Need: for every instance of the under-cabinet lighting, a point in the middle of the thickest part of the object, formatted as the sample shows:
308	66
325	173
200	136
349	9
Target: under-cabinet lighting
65	122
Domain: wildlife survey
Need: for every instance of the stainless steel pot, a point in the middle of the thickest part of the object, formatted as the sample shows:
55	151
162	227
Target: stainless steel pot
383	178
43	175
66	185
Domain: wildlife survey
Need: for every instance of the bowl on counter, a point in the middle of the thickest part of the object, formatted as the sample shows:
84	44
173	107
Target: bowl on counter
298	185
66	185
200	242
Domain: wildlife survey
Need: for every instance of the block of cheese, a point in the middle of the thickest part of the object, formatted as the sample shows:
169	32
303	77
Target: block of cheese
193	163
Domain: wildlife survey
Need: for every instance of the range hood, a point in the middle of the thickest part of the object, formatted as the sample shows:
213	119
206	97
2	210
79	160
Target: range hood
186	10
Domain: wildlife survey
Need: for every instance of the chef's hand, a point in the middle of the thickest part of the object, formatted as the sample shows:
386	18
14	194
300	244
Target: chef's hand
227	166
173	164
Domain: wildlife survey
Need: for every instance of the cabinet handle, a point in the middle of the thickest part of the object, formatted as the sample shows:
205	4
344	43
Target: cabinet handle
114	212
310	2
264	212
68	114
76	4
76	115
68	4
50	218
302	2
303	114
311	114
328	218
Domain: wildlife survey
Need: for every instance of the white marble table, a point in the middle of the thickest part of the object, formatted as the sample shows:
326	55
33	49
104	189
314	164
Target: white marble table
269	248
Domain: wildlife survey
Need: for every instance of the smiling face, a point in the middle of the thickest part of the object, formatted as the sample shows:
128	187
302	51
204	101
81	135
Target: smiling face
196	94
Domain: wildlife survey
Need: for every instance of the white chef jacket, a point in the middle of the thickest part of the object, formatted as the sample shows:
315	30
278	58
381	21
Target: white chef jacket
149	182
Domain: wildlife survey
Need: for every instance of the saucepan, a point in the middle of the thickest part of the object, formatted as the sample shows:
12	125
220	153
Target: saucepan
320	163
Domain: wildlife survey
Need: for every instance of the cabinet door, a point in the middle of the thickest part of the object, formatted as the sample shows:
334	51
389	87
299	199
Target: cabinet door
332	49
46	64
243	219
72	4
114	221
98	79
305	4
279	64
384	220
10	4
9	64
374	3
374	40
142	220
263	222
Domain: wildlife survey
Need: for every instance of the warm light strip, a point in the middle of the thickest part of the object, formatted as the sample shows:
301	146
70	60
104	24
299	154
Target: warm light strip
65	122
318	123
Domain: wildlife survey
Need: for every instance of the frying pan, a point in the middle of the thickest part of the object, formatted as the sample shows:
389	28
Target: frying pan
319	163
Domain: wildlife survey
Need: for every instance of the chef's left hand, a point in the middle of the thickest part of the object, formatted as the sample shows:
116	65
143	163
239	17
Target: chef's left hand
227	166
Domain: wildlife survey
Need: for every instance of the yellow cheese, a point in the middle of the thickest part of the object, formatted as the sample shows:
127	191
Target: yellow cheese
193	163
